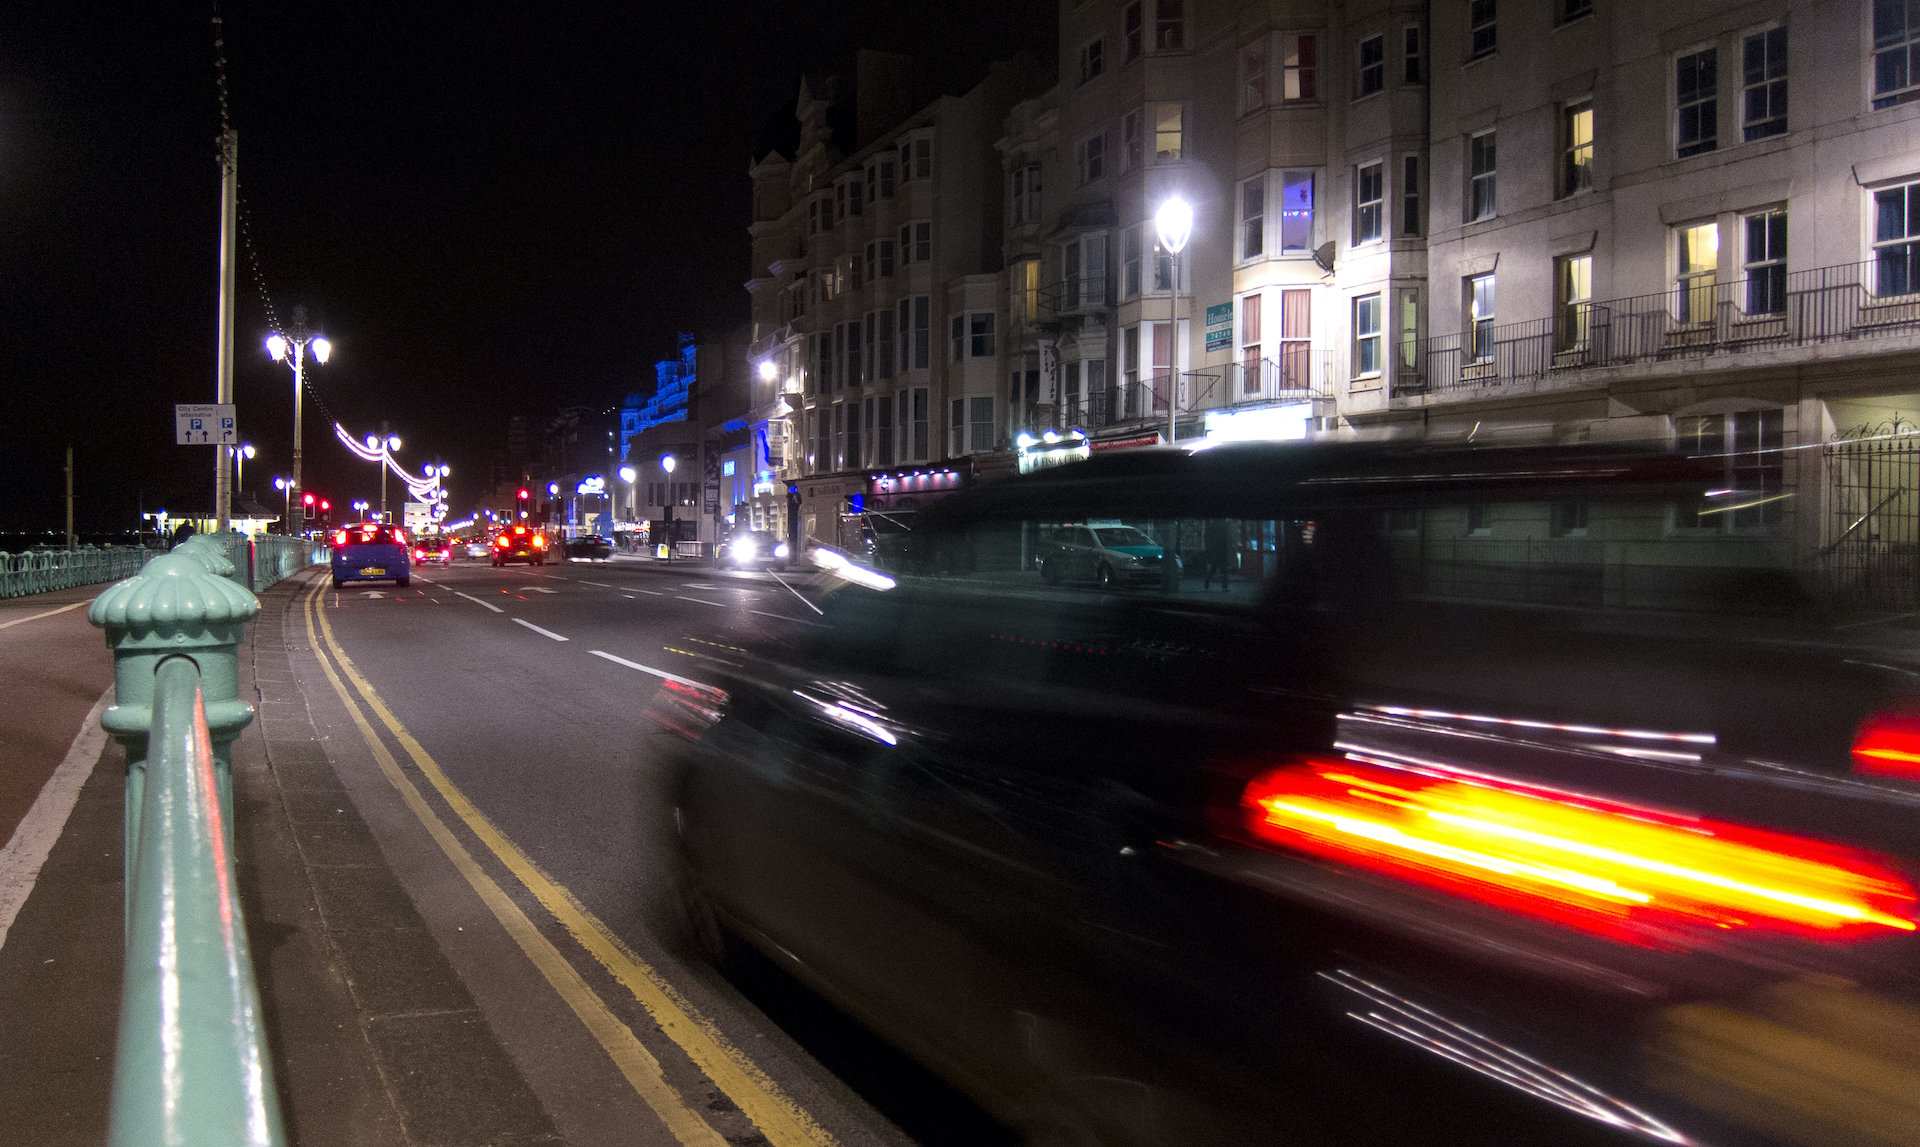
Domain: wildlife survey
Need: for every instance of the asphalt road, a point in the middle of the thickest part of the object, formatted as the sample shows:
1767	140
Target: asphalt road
525	686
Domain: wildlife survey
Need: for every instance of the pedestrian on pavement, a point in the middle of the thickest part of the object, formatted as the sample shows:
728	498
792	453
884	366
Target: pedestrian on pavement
1219	551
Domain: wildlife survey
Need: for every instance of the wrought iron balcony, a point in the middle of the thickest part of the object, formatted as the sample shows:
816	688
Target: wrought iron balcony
1854	302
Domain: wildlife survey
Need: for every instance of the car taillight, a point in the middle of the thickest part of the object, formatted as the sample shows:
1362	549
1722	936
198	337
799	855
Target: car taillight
419	555
1888	745
685	707
539	541
340	537
501	541
1618	870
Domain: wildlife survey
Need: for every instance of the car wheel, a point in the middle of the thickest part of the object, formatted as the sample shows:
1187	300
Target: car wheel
1104	575
403	582
336	583
1049	573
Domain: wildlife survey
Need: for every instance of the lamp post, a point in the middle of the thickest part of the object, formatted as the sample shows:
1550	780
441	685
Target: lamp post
627	475
435	471
386	446
1174	222
667	464
241	453
286	524
291	347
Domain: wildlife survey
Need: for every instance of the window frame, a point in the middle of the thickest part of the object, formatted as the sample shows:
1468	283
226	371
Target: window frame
1370	76
1368	341
1089	158
1482	291
1483	29
1772	87
1704	108
1169	33
1311	178
1572	303
1881	51
1158	108
980	334
1413	217
1369	214
1092	59
1303	76
1252	233
1694	286
1907	243
1412	58
1254	76
1764	295
1576	171
1482	200
1133	34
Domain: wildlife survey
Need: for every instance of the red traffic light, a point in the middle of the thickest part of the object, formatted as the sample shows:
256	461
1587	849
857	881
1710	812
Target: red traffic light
325	505
307	499
525	493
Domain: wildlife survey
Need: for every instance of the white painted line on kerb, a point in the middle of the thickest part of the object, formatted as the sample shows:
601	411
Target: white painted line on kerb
644	668
477	601
702	601
21	859
537	629
48	613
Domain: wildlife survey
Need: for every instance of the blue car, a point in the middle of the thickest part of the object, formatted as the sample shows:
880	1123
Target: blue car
370	552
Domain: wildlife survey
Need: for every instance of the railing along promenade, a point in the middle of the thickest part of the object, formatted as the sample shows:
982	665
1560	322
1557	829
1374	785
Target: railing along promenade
257	563
192	1064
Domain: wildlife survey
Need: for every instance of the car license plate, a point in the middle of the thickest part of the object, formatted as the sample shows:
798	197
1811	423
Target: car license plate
372	571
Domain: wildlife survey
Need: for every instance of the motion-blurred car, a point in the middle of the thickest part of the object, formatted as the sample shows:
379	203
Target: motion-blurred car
370	551
474	548
433	551
1517	796
1104	553
751	549
589	547
519	544
885	535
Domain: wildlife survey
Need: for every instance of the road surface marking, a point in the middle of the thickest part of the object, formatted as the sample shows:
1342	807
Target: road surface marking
49	613
785	617
643	668
537	629
477	601
628	596
629	1055
702	601
654	592
374	593
21	859
699	585
418	578
777	1115
601	584
539	589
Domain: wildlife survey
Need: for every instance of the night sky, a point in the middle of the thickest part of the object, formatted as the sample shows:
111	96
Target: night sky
489	211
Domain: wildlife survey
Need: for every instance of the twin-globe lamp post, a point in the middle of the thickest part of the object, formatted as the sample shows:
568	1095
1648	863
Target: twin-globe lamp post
286	484
667	463
437	470
360	505
241	453
386	446
291	348
1174	222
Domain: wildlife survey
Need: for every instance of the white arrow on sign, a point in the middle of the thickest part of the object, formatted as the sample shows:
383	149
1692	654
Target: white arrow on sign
539	589
373	593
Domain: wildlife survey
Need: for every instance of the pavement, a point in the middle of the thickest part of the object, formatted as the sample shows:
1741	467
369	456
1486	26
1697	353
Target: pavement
376	1039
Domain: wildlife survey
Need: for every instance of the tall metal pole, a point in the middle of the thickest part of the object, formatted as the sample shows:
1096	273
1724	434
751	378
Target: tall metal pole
223	378
385	437
299	366
69	497
1173	347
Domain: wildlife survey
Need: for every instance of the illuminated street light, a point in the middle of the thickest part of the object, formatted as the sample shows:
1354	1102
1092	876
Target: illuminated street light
627	475
286	484
1174	222
768	371
360	504
667	463
241	453
290	347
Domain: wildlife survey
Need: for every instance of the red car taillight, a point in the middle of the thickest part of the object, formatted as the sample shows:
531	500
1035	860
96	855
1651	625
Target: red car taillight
539	541
419	555
1888	744
685	707
1618	870
501	541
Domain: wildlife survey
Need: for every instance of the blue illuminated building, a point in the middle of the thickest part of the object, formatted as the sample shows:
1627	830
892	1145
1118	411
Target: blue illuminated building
671	400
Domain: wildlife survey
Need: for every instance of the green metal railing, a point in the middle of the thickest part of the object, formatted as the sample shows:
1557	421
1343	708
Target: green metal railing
38	571
192	1065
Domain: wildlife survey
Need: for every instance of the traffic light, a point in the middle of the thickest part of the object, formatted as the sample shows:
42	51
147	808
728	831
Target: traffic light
326	511
525	494
306	506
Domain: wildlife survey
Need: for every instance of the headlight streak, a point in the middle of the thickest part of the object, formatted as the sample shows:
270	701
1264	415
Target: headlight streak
1615	870
848	716
1550	726
838	565
1430	1031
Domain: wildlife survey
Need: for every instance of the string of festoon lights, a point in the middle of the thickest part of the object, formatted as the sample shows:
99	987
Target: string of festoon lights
374	449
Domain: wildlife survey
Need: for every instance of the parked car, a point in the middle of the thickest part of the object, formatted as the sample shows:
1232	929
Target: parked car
1519	796
589	547
751	549
1105	553
519	544
370	551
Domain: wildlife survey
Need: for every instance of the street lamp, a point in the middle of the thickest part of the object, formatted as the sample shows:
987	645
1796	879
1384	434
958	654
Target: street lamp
667	464
241	453
291	347
627	475
1174	222
360	505
386	446
286	525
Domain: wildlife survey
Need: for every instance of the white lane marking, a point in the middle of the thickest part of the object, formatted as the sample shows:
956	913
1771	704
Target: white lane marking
601	584
721	604
477	601
49	613
418	578
643	668
539	589
784	617
21	859
373	593
699	585
628	596
654	592
537	629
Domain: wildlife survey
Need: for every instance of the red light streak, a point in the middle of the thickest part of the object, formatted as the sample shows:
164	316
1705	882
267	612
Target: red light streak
1608	868
1888	745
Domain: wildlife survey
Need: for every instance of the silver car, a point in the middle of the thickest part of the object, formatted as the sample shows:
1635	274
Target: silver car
1104	553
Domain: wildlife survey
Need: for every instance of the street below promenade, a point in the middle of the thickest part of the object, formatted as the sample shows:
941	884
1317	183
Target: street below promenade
538	828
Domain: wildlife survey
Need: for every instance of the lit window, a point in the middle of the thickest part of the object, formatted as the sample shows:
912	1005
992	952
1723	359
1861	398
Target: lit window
1168	119
1576	157
1480	313
1481	154
1251	380
1296	211
1572	302
1766	263
1366	335
1698	250
1763	80
1373	65
1696	91
1300	67
1370	193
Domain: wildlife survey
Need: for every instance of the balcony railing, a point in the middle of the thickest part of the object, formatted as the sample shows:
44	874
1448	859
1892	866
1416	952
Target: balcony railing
1852	302
1297	374
1076	296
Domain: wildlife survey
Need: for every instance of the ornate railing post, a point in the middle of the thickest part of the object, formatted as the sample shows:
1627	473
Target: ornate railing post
179	605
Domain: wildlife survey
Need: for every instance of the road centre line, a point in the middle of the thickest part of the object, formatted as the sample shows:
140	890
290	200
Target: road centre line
702	601
601	584
537	629
629	1055
654	592
784	617
477	601
643	668
48	613
777	1115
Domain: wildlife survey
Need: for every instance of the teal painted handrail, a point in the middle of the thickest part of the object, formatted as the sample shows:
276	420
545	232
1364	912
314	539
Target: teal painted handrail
39	571
192	1064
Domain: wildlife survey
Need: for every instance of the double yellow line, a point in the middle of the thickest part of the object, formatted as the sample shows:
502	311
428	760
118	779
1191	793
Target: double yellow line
777	1116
